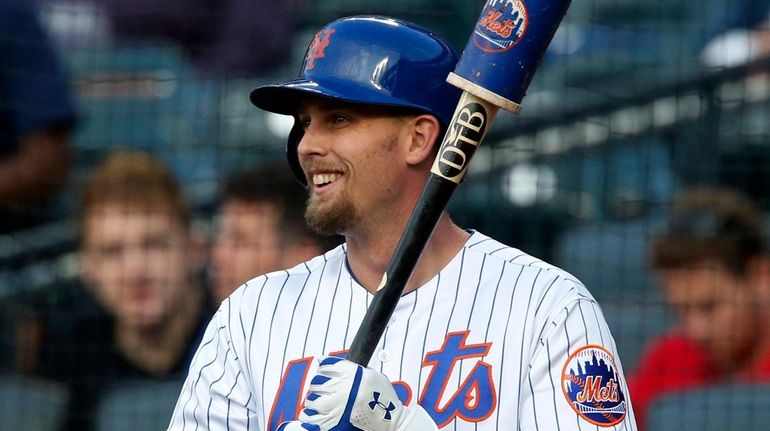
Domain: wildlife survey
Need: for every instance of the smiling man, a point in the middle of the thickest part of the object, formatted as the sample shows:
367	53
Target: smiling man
485	336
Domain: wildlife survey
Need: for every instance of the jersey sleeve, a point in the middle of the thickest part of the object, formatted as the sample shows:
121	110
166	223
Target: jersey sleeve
575	379
216	394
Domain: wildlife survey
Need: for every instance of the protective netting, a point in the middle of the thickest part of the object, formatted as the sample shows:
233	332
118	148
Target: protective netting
637	103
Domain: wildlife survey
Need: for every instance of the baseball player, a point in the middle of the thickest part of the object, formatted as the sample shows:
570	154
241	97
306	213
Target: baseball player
485	336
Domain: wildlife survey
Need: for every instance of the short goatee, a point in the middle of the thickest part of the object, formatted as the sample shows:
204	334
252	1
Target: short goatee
335	219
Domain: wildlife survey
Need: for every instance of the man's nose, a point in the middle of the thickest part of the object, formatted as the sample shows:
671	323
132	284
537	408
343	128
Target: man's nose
312	143
699	327
135	263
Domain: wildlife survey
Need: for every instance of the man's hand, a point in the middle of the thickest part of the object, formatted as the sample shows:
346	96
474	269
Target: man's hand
347	396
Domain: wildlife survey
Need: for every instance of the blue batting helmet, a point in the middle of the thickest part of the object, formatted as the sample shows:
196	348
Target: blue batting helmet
371	60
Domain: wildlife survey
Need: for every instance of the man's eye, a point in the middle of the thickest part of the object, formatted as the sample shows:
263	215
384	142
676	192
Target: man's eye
157	244
110	251
339	119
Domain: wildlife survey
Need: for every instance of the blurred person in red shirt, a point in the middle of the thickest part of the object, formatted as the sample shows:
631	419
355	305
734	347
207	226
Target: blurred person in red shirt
711	265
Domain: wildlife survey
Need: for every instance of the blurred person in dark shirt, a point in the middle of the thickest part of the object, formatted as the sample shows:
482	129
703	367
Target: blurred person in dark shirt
261	228
37	116
138	309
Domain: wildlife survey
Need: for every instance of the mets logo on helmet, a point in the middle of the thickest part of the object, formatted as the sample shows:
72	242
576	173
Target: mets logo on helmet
591	383
317	47
501	26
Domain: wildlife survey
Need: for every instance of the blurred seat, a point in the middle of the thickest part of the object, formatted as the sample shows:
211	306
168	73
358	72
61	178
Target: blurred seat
137	405
32	404
145	97
408	9
610	257
634	325
736	407
452	19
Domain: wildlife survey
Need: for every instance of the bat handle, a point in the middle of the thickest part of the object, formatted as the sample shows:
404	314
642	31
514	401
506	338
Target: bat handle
469	124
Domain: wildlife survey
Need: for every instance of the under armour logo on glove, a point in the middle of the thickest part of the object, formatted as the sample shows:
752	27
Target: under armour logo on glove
376	402
344	396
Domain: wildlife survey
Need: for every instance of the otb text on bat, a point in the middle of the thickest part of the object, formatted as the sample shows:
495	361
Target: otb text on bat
461	140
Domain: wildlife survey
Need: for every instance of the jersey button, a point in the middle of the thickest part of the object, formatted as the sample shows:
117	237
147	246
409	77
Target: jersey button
383	356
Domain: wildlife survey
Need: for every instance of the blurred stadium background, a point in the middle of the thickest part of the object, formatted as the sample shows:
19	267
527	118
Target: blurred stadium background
622	113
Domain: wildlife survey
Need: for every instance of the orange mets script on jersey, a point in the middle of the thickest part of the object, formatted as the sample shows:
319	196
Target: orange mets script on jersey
594	391
473	401
316	49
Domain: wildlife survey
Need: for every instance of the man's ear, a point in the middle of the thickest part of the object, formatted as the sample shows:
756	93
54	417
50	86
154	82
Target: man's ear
424	137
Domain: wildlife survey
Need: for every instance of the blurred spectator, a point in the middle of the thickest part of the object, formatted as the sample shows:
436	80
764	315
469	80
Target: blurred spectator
711	264
261	228
36	119
140	308
224	37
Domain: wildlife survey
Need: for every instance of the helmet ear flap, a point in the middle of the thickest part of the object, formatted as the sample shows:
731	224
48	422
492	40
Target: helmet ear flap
295	135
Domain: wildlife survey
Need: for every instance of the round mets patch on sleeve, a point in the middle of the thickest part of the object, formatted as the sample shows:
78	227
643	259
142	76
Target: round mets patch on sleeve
591	383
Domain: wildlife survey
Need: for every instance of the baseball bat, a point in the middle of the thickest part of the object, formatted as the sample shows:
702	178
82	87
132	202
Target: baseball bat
494	71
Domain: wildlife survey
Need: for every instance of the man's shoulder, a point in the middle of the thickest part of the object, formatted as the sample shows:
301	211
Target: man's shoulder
335	256
331	259
290	278
481	243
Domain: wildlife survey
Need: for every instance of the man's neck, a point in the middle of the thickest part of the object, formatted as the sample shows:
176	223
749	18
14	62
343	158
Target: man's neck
157	350
369	255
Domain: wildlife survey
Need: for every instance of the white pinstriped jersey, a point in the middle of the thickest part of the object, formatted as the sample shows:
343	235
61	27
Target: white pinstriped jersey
498	340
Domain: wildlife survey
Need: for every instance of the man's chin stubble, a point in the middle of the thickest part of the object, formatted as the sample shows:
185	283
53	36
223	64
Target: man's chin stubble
330	221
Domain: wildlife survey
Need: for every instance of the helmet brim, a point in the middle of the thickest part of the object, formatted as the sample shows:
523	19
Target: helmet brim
284	98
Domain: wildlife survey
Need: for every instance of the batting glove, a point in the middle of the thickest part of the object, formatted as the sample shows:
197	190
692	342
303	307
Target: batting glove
346	396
